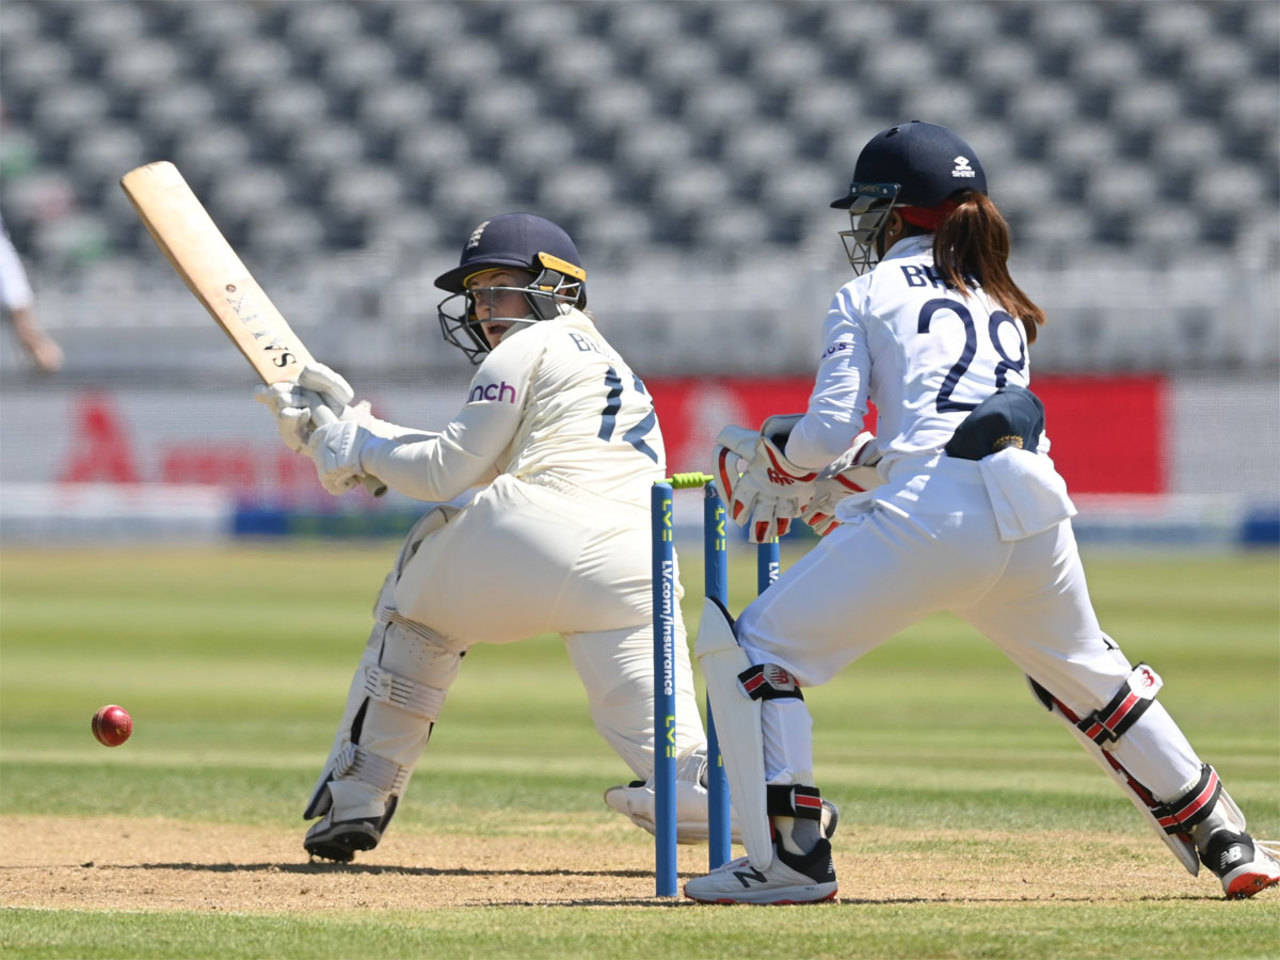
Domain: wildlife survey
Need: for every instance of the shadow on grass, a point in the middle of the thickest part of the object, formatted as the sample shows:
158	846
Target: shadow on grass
834	904
319	868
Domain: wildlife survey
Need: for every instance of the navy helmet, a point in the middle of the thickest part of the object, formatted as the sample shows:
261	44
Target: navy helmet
521	241
915	165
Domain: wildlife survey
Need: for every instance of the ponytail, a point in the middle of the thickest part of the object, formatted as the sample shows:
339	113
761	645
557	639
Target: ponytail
973	241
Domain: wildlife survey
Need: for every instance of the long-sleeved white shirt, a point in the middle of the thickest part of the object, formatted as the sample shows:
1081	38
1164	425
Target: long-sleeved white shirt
924	354
553	403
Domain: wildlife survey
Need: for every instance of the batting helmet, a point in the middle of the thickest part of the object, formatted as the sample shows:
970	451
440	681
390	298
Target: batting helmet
522	241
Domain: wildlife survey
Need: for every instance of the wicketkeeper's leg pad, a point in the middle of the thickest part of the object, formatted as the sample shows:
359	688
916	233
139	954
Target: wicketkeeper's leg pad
1201	810
737	688
395	697
1098	733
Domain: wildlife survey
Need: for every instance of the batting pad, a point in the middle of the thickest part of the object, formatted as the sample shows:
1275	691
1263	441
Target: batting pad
738	724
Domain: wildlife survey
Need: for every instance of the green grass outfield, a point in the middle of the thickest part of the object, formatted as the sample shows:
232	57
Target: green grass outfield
234	664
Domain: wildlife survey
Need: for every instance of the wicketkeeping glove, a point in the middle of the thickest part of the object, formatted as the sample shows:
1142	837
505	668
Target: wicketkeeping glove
764	489
854	471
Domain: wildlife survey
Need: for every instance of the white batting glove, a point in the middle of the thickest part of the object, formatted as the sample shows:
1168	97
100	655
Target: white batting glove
329	384
764	490
293	403
336	446
854	471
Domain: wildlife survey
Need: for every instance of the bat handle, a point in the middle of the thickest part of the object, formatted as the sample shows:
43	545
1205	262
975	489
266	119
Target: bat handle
324	416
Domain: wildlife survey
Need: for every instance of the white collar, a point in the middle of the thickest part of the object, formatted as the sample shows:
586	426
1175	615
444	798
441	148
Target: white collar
909	246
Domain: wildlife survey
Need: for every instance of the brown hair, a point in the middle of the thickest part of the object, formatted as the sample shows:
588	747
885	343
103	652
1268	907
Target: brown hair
973	241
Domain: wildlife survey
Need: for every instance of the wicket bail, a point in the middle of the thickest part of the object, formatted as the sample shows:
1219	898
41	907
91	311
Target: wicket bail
715	551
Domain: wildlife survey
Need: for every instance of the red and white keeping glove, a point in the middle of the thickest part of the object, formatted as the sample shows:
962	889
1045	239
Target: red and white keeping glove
764	490
854	471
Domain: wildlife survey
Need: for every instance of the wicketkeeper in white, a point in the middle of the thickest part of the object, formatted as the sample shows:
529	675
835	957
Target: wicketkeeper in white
969	515
559	441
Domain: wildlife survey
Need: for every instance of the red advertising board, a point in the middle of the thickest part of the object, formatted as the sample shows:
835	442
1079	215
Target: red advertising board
1108	433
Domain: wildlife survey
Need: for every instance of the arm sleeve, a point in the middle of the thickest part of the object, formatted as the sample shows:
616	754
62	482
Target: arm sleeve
15	288
838	404
440	466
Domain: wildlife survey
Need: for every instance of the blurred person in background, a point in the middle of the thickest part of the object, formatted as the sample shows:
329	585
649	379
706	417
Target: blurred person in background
18	303
970	517
541	525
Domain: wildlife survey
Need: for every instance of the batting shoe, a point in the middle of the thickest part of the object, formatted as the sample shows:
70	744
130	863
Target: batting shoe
1244	865
340	841
810	878
635	801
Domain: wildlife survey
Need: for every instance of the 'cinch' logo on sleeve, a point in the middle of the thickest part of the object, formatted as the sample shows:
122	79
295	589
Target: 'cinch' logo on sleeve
503	392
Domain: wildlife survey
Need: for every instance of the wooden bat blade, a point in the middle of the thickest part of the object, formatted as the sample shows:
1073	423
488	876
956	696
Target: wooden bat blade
211	269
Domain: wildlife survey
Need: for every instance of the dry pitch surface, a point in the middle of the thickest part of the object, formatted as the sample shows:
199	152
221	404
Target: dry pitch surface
132	864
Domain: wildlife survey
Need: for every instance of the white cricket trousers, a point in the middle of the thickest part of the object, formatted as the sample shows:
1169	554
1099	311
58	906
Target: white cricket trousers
930	544
522	560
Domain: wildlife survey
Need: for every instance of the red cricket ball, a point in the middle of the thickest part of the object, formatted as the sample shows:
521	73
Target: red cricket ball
112	725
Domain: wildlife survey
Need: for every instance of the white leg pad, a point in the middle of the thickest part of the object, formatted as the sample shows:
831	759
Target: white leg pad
1181	845
395	696
738	724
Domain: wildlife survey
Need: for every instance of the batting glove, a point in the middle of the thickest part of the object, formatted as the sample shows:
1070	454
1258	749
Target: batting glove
293	403
764	489
335	447
852	472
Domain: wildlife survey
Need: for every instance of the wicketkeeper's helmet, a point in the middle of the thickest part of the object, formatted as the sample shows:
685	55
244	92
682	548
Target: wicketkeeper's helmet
915	167
522	241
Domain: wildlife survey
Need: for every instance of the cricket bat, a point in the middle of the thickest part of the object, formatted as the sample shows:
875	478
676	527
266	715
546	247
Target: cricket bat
214	273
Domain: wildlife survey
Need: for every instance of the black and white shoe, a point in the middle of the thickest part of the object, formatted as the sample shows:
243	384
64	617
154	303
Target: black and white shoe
810	878
1244	866
340	841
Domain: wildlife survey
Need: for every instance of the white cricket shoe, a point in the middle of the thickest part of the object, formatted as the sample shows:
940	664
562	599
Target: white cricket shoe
789	879
636	801
1244	865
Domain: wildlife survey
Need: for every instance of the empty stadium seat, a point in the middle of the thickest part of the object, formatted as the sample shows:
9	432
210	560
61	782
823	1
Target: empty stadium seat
425	152
575	188
290	235
215	26
294	107
213	151
103	152
319	27
254	66
173	108
357	65
391	108
34	64
694	131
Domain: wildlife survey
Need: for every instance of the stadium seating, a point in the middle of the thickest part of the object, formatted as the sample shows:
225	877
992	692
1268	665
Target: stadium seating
696	133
